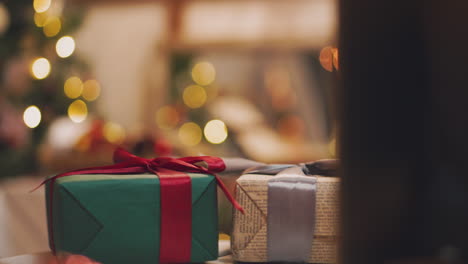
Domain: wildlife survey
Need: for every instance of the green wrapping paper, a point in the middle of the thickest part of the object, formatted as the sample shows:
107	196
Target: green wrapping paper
115	219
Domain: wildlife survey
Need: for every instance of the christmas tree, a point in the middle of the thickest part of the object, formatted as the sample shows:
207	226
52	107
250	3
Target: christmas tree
41	77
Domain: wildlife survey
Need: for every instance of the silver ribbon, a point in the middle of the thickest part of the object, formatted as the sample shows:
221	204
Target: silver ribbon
291	216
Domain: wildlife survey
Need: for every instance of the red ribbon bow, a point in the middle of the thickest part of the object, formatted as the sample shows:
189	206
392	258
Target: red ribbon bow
176	206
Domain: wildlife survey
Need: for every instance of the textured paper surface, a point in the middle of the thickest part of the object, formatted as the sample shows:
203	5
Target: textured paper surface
249	238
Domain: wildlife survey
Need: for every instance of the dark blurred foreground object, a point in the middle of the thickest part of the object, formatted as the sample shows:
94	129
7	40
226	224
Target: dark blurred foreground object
404	131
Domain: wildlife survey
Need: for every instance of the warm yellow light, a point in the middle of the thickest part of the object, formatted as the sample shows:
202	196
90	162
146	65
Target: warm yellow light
326	58
73	87
203	73
223	236
32	116
190	134
114	133
41	5
40	19
78	111
52	26
40	68
167	117
335	58
215	131
4	17
91	90
194	96
65	46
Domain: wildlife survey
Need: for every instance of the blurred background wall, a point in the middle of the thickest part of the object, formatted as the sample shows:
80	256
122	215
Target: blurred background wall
121	42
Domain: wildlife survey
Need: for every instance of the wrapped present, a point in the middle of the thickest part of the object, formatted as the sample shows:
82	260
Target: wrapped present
137	210
291	214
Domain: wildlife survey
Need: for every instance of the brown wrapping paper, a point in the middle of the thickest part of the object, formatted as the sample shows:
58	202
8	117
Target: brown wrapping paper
249	236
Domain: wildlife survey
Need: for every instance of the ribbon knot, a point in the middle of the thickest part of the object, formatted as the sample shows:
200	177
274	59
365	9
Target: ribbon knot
187	164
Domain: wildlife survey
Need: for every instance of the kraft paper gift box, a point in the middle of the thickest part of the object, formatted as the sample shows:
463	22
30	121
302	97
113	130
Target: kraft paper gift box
314	241
116	219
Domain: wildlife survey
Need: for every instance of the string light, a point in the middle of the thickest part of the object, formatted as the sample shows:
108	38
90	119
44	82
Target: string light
190	134
167	117
52	26
32	116
194	96
326	58
73	87
40	68
65	46
114	133
78	111
41	6
215	131
91	90
203	73
40	19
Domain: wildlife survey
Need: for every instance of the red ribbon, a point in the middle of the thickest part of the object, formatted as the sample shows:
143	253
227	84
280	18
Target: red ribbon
176	195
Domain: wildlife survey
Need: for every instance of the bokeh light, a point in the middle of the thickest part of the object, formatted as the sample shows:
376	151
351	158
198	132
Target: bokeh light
91	90
190	134
40	19
41	5
32	116
335	58
194	96
326	58
215	131
73	87
167	117
4	18
65	46
114	132
78	111
40	68
203	73
52	26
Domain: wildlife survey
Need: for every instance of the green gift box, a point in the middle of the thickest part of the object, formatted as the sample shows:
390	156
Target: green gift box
115	219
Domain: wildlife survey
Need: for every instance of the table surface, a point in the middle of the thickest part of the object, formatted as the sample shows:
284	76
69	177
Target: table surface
48	258
23	226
